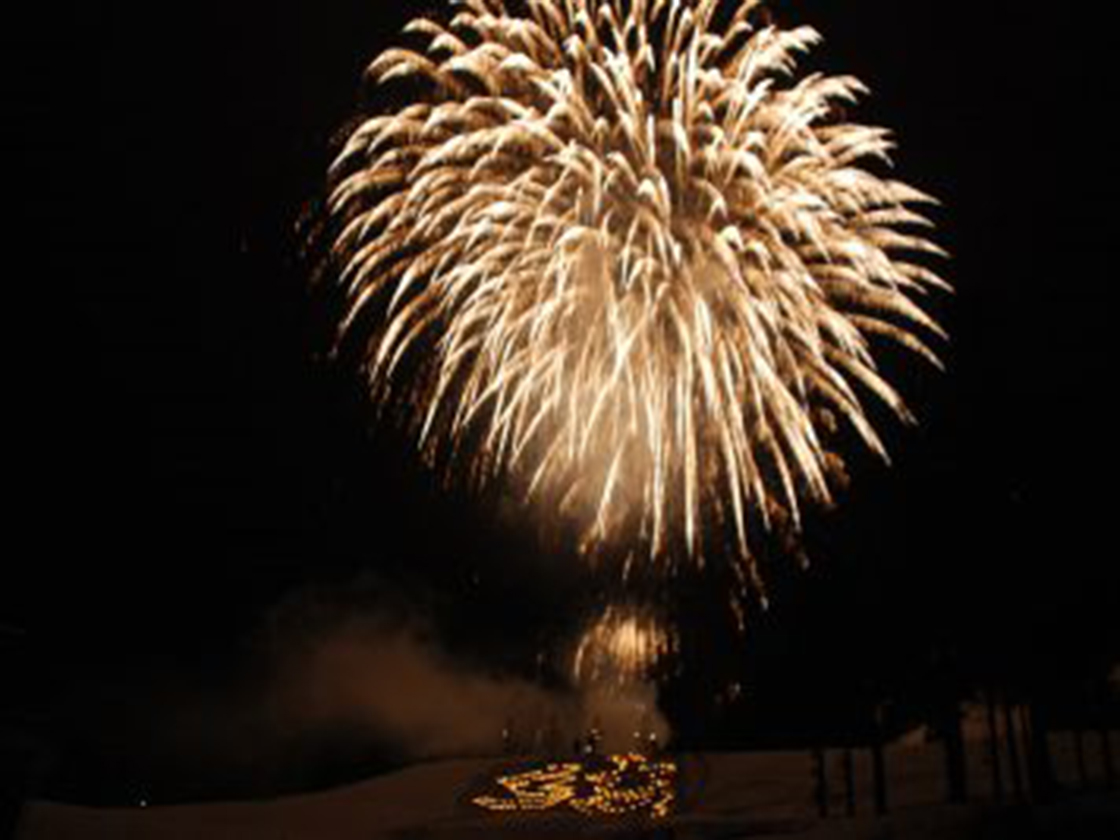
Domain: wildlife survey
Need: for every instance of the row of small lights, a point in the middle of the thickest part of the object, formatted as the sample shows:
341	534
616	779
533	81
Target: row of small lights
555	784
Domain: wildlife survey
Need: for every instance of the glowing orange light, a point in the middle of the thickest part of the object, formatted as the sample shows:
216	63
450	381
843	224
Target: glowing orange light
623	645
617	785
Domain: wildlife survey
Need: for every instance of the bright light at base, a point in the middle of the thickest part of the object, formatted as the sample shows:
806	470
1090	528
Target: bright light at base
612	786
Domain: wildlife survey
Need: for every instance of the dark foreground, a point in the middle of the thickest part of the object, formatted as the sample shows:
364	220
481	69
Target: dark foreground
724	796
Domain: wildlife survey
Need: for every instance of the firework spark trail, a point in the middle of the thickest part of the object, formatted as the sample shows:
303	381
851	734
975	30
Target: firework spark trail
622	647
633	259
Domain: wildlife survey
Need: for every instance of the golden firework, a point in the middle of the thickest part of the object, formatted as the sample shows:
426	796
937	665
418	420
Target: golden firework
620	254
623	646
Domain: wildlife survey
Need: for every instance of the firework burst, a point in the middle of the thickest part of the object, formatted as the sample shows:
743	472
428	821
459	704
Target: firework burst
620	254
623	646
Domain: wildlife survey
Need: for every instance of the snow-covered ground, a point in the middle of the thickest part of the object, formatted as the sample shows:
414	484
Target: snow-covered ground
722	795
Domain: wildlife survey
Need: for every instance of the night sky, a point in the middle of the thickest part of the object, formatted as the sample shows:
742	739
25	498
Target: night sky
186	456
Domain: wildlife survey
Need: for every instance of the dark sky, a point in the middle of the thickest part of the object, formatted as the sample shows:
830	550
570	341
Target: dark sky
185	458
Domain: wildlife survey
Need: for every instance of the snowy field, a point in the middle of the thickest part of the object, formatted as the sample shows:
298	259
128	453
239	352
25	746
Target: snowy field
721	795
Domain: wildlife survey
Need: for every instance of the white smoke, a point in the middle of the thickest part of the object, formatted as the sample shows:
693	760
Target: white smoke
389	680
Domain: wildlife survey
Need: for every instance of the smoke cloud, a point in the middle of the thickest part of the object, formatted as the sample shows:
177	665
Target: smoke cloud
389	680
330	689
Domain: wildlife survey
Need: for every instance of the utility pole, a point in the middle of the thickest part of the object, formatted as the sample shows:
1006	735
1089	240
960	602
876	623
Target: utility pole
820	786
850	781
879	763
1041	767
993	746
1013	751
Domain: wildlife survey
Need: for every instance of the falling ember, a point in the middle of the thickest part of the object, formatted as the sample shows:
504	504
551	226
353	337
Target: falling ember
621	255
622	647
